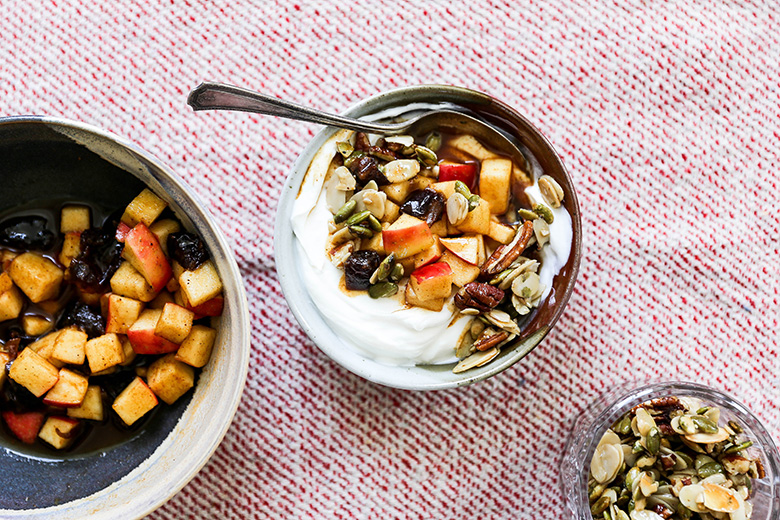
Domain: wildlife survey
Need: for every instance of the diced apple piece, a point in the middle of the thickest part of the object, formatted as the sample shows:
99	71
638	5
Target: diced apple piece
161	299
213	307
134	402
420	183
175	323
122	313
374	243
33	372
5	282
45	347
196	349
432	281
127	281
69	346
75	219
439	228
104	352
407	236
470	145
392	211
145	208
501	233
429	255
5	357
106	372
25	426
34	325
478	220
69	391
446	188
121	232
462	271
143	338
59	431
202	284
129	353
494	182
91	406
141	371
169	378
88	297
162	229
11	299
412	300
464	172
465	247
143	251
37	276
51	306
71	247
397	192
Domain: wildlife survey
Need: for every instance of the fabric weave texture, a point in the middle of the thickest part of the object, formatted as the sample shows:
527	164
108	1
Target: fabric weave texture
667	115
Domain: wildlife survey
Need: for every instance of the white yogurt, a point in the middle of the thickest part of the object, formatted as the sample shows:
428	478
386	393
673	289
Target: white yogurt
384	329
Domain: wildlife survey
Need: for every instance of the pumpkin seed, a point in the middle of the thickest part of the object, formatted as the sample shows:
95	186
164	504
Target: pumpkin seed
544	212
623	426
702	410
527	214
597	491
383	270
374	224
397	273
708	470
426	155
382	290
404	140
704	425
739	447
345	148
600	506
735	427
653	440
473	202
357	218
354	156
344	212
361	231
433	141
460	187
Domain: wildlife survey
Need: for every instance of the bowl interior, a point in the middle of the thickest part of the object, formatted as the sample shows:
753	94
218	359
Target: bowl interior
47	160
427	377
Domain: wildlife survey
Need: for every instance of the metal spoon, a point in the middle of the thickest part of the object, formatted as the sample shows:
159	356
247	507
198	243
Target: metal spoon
218	96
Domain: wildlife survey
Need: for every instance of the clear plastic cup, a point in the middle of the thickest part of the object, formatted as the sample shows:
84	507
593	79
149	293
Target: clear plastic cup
589	426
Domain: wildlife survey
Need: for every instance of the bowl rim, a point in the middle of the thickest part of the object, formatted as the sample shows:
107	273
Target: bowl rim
145	507
287	270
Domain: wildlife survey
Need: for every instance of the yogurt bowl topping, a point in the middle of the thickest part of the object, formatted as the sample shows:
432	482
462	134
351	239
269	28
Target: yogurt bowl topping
428	249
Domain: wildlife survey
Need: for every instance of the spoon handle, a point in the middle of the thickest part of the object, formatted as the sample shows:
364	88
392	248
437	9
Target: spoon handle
219	96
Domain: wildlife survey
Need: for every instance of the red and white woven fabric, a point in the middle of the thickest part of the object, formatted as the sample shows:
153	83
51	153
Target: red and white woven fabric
667	115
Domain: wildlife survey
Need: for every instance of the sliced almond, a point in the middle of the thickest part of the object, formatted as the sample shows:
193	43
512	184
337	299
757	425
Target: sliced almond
708	438
692	497
477	359
718	498
606	463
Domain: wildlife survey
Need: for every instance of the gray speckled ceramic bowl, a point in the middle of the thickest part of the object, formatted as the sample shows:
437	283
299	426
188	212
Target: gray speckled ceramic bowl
44	158
427	377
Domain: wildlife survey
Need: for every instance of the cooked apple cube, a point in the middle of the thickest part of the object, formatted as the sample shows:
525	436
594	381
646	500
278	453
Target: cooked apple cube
374	243
59	431
162	229
412	300
134	402
454	171
397	192
75	219
501	233
51	306
143	338
494	183
470	145
33	372
34	325
127	281
122	312
446	188
462	272
104	352
439	228
212	307
143	251
478	220
175	323
69	391
429	255
407	236
129	353
465	247
11	301
91	406
202	284
5	357
5	282
69	346
71	247
420	183
25	426
170	379
45	347
37	276
392	211
161	299
432	281
146	207
196	349
141	371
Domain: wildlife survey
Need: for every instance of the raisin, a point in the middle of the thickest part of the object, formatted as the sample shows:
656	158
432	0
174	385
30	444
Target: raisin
365	169
427	205
358	269
84	317
17	398
99	258
187	249
29	233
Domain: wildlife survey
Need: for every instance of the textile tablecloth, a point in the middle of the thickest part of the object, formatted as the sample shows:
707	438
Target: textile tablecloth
665	113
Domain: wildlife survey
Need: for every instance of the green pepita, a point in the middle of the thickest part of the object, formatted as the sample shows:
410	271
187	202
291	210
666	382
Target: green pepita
708	470
382	290
544	212
739	447
426	156
702	410
473	202
600	506
345	148
637	447
433	141
354	156
357	218
500	277
704	425
374	223
653	440
384	269
460	187
344	212
736	428
361	231
622	515
596	492
397	273
527	214
623	426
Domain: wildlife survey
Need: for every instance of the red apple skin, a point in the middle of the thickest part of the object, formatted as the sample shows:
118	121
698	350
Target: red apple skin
147	256
24	426
145	341
407	241
212	307
60	404
432	271
452	171
121	232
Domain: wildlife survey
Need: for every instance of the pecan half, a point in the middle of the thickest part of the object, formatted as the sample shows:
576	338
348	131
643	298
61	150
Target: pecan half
504	255
486	342
661	404
478	295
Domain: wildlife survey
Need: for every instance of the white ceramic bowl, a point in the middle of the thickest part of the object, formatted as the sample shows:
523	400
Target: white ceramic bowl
132	480
425	377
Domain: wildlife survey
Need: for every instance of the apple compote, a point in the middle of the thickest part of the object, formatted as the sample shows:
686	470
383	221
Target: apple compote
100	323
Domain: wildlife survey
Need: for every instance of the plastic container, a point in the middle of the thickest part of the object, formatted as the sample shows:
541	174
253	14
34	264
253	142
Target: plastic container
589	426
